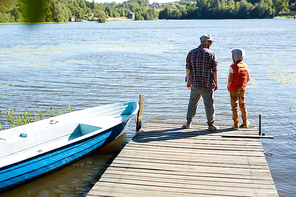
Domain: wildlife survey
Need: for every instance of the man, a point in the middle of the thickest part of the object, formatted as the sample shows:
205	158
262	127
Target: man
202	79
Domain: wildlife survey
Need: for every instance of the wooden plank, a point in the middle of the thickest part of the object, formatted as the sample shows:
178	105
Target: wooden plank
109	189
195	156
197	151
197	169
248	136
188	176
205	141
204	177
197	146
165	160
172	182
201	130
170	139
128	155
232	164
191	188
129	188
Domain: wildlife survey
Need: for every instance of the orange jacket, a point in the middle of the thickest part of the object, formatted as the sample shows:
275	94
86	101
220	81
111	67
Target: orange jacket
240	76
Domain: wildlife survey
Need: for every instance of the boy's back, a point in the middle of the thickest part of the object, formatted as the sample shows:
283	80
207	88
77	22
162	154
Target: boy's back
240	76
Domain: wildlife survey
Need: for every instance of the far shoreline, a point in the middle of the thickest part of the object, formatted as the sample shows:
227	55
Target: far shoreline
118	19
37	23
126	19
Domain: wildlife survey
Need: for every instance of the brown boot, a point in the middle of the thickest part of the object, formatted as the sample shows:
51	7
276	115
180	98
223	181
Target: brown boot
246	123
235	126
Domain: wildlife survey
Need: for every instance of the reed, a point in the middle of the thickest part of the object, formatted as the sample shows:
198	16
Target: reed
11	118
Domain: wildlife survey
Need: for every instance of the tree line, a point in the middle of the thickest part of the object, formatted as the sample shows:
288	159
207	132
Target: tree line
62	10
227	9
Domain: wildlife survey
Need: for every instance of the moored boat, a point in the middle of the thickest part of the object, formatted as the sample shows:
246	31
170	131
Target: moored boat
32	150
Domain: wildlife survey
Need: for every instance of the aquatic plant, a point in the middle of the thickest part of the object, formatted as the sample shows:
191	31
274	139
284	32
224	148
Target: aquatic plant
11	118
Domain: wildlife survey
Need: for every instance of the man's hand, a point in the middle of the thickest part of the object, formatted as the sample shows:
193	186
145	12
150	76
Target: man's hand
188	85
216	88
215	75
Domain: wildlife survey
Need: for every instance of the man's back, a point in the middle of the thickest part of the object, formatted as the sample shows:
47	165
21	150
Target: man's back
202	62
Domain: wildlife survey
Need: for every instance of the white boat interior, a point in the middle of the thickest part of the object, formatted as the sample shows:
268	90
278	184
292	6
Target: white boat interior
36	138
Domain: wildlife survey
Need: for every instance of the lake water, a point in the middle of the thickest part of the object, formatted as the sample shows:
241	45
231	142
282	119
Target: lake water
90	64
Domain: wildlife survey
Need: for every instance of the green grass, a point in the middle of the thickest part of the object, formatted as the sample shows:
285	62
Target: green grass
11	118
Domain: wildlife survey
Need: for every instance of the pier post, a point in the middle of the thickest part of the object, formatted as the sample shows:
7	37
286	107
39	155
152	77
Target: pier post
259	124
140	112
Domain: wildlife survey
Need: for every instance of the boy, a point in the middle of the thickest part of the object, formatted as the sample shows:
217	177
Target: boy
237	83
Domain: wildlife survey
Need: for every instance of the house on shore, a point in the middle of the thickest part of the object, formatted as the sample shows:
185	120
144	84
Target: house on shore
73	19
131	15
156	5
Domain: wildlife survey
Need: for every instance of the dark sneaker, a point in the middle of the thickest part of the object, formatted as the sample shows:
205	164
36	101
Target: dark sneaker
212	127
187	126
246	123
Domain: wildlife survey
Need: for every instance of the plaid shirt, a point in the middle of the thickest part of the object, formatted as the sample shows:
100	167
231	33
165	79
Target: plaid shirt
202	63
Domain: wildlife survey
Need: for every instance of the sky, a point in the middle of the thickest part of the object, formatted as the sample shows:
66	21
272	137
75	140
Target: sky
120	1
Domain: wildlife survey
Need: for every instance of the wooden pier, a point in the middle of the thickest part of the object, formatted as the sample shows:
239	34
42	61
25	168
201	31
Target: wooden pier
165	160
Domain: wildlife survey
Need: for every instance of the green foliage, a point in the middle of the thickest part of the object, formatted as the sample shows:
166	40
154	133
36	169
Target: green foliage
280	5
33	11
100	14
224	9
12	119
145	14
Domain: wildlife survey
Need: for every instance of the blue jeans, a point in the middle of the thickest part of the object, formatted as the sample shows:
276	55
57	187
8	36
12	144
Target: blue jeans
195	96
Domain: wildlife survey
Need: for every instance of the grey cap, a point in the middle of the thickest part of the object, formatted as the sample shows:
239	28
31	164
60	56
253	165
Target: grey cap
206	37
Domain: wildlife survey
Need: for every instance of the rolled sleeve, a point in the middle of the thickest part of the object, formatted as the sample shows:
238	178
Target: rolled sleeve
215	63
188	61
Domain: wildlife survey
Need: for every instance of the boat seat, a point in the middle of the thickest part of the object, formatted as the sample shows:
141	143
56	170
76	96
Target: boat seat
83	129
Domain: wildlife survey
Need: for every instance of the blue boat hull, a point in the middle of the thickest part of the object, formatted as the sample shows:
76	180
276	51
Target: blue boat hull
36	166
